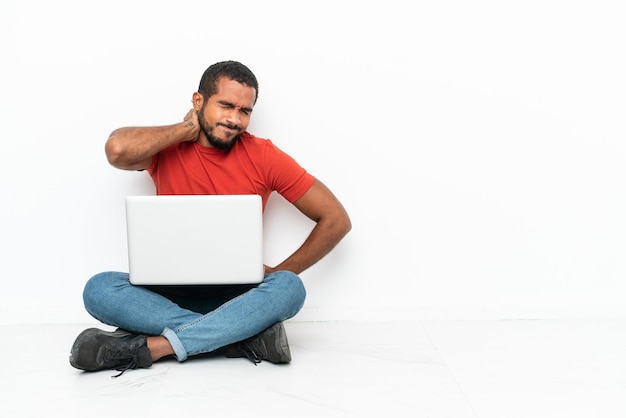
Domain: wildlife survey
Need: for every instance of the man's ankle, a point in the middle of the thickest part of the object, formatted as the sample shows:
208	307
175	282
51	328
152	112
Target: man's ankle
159	347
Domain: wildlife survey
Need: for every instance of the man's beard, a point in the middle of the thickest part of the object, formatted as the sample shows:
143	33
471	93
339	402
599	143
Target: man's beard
213	140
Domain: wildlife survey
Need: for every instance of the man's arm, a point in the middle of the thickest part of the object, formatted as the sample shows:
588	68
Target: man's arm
332	224
133	148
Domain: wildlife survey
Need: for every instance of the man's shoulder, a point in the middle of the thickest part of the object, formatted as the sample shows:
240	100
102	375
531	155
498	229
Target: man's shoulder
249	138
257	144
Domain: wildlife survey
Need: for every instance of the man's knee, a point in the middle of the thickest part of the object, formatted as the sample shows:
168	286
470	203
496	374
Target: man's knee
292	288
100	286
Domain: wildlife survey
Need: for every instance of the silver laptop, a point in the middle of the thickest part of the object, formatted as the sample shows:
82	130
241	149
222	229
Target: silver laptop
195	240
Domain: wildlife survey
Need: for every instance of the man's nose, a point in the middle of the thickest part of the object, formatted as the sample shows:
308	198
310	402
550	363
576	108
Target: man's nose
233	117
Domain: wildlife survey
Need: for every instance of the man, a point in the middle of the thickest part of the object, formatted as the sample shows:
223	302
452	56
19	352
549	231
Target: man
210	152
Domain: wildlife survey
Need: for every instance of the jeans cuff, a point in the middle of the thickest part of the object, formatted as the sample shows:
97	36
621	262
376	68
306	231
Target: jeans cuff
179	350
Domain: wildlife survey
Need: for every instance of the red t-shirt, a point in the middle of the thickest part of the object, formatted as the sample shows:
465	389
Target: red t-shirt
253	166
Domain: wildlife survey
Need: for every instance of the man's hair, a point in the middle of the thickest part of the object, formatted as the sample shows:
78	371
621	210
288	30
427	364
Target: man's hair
232	70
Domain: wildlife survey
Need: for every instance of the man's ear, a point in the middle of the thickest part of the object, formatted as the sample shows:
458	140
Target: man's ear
197	100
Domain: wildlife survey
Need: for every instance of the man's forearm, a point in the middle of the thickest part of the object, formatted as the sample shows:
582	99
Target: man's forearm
132	148
322	239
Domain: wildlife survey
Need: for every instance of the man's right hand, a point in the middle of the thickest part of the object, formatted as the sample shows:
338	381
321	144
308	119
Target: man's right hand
192	124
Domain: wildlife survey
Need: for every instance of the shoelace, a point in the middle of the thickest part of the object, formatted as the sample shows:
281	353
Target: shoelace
249	352
130	360
132	364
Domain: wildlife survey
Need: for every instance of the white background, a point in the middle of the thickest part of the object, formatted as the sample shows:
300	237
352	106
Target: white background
478	146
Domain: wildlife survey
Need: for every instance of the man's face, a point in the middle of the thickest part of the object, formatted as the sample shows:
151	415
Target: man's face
226	115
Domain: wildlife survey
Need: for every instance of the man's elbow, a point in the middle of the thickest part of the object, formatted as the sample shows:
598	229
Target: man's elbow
113	151
344	225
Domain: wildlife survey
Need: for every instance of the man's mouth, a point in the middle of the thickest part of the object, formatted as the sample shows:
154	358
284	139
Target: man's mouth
233	128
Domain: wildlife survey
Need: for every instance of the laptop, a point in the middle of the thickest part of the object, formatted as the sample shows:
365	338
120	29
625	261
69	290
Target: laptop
195	240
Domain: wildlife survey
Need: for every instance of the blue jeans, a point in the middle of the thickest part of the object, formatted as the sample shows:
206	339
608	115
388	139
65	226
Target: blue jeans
197	319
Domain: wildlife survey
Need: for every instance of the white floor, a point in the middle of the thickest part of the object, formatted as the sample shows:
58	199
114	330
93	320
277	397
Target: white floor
456	369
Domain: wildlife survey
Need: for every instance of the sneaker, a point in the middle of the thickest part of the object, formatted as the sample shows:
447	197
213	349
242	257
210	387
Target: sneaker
270	345
95	349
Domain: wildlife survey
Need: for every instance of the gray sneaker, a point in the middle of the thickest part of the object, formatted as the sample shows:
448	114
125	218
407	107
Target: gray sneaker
270	345
95	349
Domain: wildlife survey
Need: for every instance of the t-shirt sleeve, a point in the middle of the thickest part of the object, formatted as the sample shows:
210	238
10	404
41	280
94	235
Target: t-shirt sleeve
286	176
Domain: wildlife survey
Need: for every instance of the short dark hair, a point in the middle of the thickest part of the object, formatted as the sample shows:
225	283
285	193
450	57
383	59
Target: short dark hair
232	70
